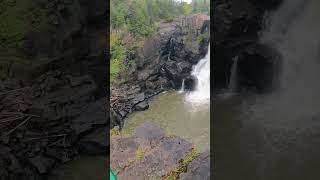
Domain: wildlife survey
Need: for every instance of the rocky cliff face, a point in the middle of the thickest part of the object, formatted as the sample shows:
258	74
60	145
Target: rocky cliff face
236	27
161	64
52	90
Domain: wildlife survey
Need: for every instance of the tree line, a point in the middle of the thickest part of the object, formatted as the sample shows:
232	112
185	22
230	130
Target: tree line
140	16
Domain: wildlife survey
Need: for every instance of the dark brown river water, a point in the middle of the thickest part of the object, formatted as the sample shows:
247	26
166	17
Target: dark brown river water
82	168
253	141
174	113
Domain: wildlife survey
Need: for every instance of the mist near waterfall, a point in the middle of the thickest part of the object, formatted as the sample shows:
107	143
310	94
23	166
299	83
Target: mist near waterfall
294	31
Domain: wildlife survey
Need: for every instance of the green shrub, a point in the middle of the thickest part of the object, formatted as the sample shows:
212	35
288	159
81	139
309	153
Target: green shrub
202	37
118	55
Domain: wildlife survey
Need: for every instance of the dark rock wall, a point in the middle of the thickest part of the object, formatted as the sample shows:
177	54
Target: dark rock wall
53	92
236	27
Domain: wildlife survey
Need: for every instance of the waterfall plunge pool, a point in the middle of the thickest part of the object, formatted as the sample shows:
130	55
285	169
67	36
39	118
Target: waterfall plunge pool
173	112
185	114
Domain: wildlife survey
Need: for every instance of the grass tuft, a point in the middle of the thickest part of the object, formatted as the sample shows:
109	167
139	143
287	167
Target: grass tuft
140	153
119	134
183	164
170	134
114	133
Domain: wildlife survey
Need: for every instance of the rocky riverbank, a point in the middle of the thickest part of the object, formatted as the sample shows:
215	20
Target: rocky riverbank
164	61
53	97
153	153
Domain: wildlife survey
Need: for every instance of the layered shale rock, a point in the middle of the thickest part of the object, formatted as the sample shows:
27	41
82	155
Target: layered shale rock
151	153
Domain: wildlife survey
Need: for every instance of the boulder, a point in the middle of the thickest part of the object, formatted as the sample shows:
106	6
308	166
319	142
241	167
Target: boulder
190	83
184	67
150	85
171	72
199	168
145	74
95	142
138	98
61	156
142	106
114	118
42	164
94	114
76	81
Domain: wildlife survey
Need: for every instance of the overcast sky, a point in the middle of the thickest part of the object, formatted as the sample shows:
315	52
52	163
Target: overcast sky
188	1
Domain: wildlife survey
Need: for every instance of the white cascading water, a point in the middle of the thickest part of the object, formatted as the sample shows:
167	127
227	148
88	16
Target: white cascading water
201	94
182	87
294	30
233	76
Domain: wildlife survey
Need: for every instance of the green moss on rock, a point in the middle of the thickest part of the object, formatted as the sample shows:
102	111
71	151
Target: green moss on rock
174	174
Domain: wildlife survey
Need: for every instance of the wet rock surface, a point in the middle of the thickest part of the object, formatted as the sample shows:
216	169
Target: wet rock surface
190	83
150	154
142	106
42	164
162	63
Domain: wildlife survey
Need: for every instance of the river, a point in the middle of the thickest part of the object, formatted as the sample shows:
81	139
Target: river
251	142
174	113
84	167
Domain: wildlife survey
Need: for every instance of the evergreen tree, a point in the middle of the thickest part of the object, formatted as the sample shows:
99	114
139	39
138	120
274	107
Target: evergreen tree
200	6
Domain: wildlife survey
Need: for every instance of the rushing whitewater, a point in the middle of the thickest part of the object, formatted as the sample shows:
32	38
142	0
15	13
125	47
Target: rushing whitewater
201	71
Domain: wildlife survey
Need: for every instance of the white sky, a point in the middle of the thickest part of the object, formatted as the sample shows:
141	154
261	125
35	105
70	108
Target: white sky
188	1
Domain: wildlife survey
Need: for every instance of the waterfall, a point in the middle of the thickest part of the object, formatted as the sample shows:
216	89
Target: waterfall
201	71
232	87
182	87
293	30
